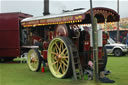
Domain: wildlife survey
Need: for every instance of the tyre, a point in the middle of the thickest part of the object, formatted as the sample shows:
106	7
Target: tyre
34	60
59	57
117	52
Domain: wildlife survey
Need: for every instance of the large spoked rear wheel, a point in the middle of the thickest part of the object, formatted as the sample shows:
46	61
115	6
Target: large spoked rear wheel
59	59
34	60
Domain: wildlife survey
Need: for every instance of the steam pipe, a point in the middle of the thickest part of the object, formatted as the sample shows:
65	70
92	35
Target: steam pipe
46	7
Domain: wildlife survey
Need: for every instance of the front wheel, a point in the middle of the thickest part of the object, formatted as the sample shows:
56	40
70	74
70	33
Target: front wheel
34	60
117	52
59	57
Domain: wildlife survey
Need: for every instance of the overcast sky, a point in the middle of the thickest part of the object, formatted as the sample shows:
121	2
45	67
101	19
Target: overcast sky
35	7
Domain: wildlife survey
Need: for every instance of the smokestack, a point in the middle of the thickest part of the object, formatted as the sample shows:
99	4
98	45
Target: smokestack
46	7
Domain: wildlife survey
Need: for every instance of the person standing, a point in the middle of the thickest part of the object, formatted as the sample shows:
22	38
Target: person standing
127	40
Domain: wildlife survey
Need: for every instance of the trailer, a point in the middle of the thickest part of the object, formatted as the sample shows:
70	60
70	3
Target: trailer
10	35
64	41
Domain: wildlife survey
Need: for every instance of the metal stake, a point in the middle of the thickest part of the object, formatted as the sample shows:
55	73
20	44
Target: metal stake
118	31
95	43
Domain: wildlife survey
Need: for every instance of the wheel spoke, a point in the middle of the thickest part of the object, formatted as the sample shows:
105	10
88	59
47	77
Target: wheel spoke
33	65
57	65
66	60
61	46
56	50
34	62
62	53
64	68
64	57
64	63
54	62
54	53
66	53
58	47
59	68
55	58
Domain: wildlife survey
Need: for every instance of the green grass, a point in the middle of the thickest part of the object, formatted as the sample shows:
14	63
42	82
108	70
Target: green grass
19	74
119	68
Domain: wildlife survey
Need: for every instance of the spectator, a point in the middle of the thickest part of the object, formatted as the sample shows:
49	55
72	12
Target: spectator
127	39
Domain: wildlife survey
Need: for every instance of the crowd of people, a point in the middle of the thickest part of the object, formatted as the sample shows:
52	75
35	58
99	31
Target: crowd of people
123	36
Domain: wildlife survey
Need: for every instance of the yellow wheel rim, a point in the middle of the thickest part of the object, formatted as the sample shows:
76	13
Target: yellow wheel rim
33	60
58	57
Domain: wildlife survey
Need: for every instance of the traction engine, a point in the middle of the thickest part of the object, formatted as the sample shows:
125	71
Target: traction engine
56	39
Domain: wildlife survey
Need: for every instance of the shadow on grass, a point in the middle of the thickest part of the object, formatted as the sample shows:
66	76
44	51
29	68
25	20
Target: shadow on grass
14	61
11	62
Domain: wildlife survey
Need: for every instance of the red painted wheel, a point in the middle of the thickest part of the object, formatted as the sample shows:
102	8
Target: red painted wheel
61	30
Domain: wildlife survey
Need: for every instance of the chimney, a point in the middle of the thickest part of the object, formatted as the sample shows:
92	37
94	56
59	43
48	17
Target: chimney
46	7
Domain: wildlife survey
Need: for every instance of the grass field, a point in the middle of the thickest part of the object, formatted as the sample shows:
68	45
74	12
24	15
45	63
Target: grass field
19	74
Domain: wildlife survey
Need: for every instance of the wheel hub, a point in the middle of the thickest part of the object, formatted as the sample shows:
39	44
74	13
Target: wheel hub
58	58
33	58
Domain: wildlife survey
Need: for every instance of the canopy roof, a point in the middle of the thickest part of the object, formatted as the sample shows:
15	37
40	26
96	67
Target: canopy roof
78	16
